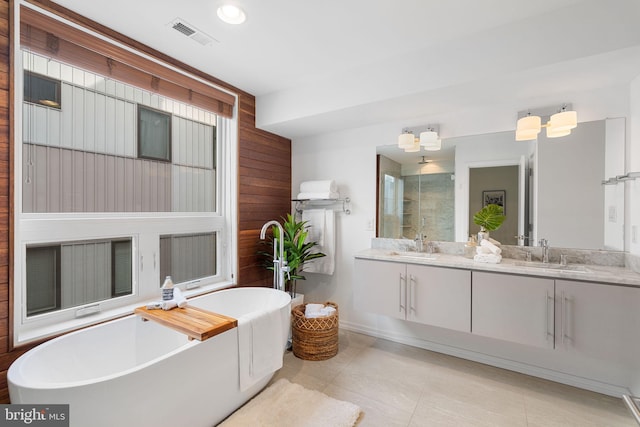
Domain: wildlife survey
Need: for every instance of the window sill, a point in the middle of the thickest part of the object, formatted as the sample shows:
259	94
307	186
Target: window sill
27	336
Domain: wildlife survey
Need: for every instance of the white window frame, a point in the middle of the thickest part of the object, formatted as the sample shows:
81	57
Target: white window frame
144	229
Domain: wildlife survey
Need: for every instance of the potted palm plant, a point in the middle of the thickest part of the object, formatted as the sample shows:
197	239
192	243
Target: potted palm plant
297	250
489	218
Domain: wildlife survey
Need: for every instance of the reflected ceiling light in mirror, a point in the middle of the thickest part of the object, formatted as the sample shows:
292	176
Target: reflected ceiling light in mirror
414	148
429	139
559	124
556	133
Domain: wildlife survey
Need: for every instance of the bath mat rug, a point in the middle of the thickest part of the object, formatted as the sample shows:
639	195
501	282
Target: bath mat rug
285	404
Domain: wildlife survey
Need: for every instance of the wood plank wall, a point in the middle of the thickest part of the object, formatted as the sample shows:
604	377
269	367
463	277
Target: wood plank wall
264	189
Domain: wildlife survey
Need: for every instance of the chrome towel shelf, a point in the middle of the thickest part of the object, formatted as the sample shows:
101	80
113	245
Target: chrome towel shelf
301	204
621	178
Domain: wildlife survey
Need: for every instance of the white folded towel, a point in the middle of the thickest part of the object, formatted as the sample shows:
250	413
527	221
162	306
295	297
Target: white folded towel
311	309
488	258
180	300
325	264
328	310
260	346
315	219
482	250
320	186
494	241
314	311
493	248
168	305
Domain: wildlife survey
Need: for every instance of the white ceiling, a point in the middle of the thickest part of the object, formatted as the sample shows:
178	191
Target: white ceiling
316	67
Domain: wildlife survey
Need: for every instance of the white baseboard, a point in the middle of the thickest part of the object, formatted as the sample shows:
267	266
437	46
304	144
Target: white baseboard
512	365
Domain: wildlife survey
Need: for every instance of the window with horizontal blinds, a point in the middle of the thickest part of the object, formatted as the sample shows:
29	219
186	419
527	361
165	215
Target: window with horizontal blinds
57	40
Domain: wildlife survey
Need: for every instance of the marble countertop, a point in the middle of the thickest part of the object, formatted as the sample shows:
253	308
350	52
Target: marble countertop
582	272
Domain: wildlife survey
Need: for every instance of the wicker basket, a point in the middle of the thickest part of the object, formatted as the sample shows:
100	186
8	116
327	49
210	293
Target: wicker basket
314	339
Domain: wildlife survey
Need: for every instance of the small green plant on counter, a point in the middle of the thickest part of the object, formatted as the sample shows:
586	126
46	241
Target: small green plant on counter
489	218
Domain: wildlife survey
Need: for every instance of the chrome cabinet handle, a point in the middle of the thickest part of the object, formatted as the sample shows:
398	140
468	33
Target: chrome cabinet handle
546	318
412	284
564	308
402	279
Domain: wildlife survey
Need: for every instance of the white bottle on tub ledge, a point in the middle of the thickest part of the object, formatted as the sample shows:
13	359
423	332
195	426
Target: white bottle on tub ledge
167	289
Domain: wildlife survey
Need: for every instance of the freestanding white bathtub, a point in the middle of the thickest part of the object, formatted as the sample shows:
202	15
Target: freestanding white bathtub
130	372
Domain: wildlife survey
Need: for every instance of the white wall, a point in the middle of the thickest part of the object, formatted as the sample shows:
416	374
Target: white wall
349	158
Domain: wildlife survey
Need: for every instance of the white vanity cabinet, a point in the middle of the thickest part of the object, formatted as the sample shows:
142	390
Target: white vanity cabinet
513	308
583	333
598	321
380	287
439	297
430	295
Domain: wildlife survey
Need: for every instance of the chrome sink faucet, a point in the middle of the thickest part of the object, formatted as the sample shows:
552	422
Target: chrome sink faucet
544	243
419	242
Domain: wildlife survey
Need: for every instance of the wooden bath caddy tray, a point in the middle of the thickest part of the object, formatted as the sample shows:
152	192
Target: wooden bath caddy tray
195	322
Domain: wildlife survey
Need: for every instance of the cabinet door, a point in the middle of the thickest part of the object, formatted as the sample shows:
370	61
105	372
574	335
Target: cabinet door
439	297
513	308
380	287
598	321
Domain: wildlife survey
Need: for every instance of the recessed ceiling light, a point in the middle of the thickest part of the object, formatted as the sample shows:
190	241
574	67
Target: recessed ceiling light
231	14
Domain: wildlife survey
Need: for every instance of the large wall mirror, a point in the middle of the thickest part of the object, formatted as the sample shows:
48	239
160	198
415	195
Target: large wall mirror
550	188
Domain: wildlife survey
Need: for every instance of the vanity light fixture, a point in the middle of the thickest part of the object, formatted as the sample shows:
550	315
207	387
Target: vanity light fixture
428	139
559	124
231	14
406	140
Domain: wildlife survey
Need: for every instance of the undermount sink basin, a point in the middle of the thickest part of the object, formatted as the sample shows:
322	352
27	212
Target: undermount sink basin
557	267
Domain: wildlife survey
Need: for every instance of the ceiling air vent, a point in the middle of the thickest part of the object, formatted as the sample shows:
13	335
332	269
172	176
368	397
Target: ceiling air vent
192	32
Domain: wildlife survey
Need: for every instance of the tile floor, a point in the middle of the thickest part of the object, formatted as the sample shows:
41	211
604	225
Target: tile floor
399	385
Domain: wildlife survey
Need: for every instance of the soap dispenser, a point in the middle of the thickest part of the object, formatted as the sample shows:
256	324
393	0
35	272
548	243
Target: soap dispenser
167	289
470	247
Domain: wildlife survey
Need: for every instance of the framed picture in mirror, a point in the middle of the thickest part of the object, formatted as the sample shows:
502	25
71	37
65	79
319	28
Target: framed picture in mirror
494	197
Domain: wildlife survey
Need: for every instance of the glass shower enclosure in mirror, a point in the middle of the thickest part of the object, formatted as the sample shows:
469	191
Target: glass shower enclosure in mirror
416	194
